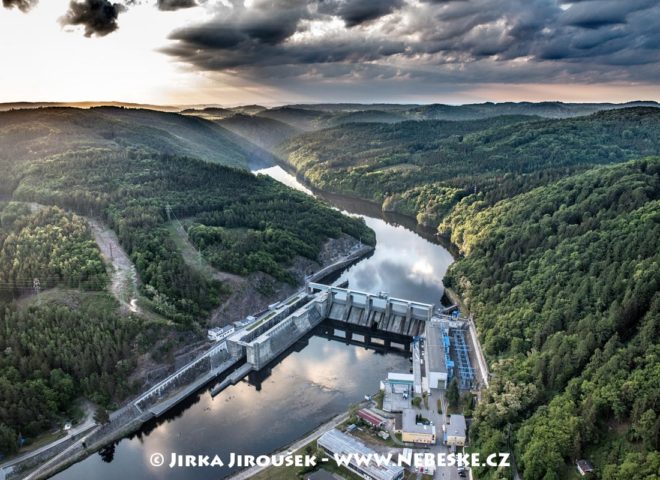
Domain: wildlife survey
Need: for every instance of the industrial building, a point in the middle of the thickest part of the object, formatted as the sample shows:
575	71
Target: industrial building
456	431
463	370
372	418
335	442
436	348
398	390
446	355
414	432
320	475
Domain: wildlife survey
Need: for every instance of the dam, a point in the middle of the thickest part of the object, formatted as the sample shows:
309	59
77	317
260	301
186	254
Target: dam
305	385
376	311
268	336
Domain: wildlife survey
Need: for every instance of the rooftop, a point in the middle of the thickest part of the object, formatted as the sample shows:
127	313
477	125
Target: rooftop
397	396
435	349
338	442
394	377
585	466
409	423
456	427
371	417
321	475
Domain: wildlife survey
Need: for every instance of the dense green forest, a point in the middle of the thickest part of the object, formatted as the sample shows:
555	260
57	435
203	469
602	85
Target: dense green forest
386	112
131	190
66	346
423	169
131	169
565	284
52	246
63	343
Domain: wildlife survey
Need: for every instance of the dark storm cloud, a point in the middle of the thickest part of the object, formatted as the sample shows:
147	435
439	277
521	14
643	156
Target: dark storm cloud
598	13
357	12
267	23
22	5
171	5
436	41
431	41
99	17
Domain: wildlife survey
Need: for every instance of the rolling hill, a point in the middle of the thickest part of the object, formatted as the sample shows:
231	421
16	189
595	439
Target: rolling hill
262	131
423	168
38	133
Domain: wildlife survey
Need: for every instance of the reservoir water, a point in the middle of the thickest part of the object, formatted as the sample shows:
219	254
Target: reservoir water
315	381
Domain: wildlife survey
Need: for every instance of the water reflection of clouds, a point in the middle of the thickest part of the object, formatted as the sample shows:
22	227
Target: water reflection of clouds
304	389
404	265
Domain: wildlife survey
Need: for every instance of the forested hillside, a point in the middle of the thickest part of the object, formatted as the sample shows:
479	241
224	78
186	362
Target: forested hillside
384	112
131	190
27	135
560	266
565	284
423	169
264	132
50	245
304	119
134	171
63	343
542	109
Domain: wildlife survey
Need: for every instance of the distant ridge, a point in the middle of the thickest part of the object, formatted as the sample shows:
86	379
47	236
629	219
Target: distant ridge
38	133
34	105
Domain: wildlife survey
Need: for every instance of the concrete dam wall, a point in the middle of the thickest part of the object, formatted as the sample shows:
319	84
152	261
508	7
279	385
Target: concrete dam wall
375	311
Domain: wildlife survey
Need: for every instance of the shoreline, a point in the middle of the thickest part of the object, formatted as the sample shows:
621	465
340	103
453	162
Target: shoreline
372	208
78	450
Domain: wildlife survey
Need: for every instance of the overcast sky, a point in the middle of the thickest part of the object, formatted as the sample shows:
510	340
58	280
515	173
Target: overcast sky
273	52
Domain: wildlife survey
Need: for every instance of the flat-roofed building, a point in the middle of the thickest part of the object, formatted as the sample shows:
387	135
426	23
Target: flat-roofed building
436	353
456	430
400	378
414	432
322	475
335	442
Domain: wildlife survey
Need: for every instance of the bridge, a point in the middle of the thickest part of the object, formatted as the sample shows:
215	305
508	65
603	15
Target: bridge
188	379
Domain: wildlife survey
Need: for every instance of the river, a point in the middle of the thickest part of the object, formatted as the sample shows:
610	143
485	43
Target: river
305	388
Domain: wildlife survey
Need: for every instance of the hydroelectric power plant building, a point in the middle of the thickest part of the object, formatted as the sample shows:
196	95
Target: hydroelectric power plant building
437	340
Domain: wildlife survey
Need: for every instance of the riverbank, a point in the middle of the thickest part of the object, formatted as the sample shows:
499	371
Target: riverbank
131	417
308	384
371	208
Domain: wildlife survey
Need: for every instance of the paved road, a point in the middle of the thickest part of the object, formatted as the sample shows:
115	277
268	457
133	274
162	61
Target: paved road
80	428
